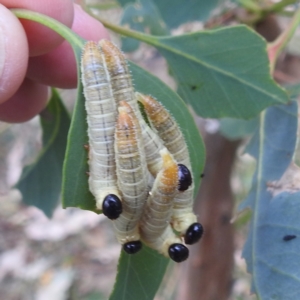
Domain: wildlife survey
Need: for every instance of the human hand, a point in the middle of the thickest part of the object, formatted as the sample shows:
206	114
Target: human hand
33	57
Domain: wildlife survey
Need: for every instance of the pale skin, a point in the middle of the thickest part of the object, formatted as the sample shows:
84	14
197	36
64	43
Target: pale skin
33	57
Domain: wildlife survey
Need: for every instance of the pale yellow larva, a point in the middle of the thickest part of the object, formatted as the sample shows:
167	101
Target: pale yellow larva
132	177
123	90
183	219
155	226
101	117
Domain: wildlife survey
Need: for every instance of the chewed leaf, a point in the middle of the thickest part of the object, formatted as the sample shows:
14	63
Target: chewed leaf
272	245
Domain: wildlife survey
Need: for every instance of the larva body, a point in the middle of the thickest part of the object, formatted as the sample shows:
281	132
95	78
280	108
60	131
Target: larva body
123	90
155	226
132	176
183	219
101	117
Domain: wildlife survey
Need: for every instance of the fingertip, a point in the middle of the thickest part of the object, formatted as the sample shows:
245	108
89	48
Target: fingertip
40	38
88	27
58	67
29	100
13	54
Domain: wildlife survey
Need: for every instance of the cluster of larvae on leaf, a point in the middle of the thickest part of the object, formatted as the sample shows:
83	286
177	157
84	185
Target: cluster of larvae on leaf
139	175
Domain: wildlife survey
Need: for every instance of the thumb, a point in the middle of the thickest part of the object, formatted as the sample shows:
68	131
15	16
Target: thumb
13	54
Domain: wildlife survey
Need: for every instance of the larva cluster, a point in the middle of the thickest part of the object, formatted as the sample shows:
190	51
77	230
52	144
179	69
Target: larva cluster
126	156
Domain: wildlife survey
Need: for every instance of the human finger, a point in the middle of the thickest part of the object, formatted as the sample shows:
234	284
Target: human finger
13	54
30	99
58	67
40	38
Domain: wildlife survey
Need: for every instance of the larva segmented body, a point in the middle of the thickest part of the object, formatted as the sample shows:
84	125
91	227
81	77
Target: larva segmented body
123	90
183	219
156	231
132	176
101	117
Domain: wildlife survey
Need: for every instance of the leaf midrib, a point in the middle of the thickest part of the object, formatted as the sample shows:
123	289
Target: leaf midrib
209	66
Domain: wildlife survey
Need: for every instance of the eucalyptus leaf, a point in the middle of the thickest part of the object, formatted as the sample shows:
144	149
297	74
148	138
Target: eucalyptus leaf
223	72
142	16
125	2
293	89
177	12
143	284
40	183
234	129
272	247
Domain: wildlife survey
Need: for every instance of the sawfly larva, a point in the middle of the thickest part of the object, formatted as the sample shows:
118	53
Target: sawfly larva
123	90
101	116
132	179
155	226
183	219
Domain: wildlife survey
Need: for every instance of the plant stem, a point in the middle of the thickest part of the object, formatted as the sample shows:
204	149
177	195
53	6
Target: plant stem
275	48
143	37
251	6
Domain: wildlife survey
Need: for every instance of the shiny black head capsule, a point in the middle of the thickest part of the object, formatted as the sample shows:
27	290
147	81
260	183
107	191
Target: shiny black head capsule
185	178
193	234
112	206
178	252
132	247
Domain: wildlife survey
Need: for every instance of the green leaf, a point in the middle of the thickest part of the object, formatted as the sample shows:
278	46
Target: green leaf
40	183
177	12
223	72
271	257
142	16
234	129
125	2
143	284
293	89
220	73
75	183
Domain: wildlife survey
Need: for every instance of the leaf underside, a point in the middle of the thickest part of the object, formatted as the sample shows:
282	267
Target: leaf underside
273	244
40	183
223	72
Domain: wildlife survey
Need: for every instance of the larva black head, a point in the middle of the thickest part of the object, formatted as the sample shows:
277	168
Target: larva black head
112	206
132	247
193	233
178	252
185	177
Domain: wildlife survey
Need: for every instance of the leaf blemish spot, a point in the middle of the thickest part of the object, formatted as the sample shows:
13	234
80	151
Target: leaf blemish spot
289	237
